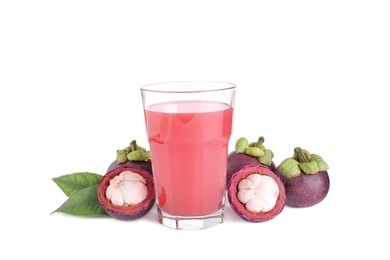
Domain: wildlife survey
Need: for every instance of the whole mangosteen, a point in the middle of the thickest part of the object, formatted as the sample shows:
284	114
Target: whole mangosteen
305	178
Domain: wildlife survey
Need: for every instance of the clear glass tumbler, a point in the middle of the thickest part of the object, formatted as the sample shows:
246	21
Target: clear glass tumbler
189	125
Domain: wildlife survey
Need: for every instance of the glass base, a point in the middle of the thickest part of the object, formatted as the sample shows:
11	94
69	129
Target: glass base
185	222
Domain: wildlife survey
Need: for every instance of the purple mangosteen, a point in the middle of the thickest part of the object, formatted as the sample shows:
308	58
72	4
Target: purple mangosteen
256	194
305	178
127	190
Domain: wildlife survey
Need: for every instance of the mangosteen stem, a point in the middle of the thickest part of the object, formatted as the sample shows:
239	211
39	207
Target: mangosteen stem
260	141
134	143
301	155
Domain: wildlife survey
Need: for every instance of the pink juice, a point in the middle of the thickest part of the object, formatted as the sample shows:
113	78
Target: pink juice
189	146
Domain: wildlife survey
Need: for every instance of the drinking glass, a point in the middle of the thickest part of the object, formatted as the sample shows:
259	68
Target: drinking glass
188	126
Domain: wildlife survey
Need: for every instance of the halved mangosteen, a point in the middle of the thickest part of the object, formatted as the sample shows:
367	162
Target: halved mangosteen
127	190
256	194
126	193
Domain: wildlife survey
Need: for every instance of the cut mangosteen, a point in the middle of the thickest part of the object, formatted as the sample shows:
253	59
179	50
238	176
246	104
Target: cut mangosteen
246	154
305	178
127	190
256	194
126	193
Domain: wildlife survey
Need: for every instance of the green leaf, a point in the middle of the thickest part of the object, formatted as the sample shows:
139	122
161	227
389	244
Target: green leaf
70	184
83	203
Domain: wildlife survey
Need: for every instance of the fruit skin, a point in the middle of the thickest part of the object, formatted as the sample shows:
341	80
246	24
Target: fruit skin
126	212
237	161
142	165
305	190
240	209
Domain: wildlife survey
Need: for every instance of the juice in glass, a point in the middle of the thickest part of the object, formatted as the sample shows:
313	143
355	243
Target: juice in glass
189	145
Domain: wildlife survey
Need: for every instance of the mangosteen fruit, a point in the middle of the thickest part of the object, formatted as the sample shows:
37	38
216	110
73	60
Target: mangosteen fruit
305	178
248	154
127	190
256	194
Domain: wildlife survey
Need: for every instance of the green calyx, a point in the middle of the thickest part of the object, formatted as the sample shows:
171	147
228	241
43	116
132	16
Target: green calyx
121	156
138	155
267	157
303	161
133	152
301	155
259	143
309	167
289	168
255	149
241	145
321	164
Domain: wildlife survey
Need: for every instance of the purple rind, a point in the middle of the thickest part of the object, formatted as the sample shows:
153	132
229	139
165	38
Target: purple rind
142	165
305	190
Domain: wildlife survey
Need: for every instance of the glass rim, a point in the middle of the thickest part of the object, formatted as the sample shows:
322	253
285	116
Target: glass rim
214	86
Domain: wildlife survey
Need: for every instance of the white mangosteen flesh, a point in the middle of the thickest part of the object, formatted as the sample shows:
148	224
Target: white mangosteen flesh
258	193
127	188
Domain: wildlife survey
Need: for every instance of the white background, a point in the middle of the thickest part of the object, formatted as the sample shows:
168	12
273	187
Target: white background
309	73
